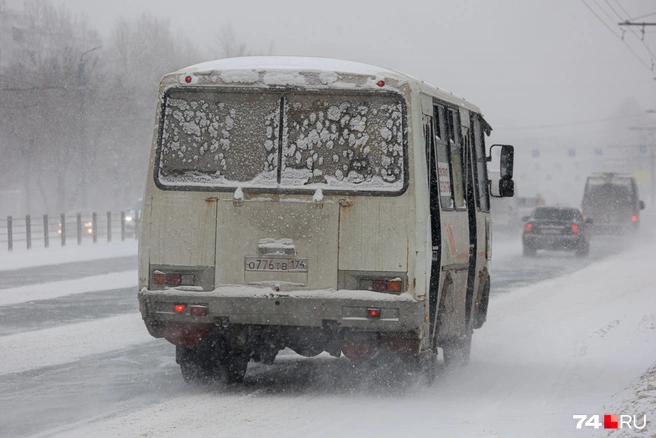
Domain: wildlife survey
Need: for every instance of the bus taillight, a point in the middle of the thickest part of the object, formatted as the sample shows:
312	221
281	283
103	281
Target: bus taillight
159	278
394	285
179	308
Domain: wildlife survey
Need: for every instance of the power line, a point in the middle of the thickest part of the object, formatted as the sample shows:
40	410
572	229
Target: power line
601	20
617	36
641	16
642	39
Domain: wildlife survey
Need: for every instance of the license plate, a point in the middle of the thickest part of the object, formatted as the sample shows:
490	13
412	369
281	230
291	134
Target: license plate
275	264
548	231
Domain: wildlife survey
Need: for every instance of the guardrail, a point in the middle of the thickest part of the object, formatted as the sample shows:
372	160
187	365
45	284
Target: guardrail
45	230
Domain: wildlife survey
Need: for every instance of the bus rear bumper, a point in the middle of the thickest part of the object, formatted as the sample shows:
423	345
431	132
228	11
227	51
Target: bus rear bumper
228	305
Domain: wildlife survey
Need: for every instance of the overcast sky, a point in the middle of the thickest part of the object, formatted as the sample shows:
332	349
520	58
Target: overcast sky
525	63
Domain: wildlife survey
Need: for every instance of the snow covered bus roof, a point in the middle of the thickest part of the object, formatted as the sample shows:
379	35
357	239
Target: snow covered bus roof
245	69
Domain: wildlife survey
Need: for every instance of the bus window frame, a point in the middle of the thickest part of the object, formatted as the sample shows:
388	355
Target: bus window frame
479	133
450	132
439	118
457	139
282	92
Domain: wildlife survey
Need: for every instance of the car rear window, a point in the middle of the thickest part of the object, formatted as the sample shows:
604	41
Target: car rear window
556	214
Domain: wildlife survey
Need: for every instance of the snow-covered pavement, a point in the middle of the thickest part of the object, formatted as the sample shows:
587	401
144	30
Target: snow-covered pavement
580	343
55	289
68	343
56	255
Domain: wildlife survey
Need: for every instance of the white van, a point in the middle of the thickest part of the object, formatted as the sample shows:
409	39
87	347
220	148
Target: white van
317	205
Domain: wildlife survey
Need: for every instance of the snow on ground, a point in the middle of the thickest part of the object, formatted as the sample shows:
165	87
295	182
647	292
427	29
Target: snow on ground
64	344
55	255
548	351
638	399
55	289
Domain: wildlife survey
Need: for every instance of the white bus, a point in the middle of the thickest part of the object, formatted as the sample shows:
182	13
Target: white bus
318	205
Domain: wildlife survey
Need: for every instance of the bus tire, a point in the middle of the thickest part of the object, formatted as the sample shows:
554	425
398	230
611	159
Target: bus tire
457	352
193	366
428	364
482	301
424	366
233	366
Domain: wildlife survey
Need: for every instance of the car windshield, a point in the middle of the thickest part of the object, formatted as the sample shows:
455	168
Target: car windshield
556	214
306	141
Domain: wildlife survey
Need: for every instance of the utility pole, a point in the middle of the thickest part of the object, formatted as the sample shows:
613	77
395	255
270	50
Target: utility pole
652	156
81	84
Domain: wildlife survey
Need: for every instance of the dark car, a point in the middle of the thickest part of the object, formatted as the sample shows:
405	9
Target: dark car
556	229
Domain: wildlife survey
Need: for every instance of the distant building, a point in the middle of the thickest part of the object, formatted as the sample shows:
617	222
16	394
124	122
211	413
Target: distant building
13	25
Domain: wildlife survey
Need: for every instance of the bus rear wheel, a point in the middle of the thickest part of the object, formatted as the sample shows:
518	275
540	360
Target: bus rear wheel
457	352
424	366
233	366
211	361
193	366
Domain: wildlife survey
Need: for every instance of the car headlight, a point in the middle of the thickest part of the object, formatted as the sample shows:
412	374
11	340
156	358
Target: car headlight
128	218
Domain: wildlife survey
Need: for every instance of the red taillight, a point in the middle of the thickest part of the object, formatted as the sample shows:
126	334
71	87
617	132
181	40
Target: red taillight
634	218
179	308
373	313
173	279
394	285
159	278
380	83
188	79
528	228
575	229
198	310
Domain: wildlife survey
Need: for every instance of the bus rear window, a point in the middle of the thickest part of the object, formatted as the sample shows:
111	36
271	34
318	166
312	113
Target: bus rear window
215	140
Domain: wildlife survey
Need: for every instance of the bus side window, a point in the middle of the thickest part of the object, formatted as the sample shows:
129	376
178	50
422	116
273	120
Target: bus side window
482	190
443	163
455	153
428	133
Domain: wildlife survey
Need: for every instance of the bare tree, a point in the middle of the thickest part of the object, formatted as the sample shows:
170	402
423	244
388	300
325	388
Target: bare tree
39	96
227	45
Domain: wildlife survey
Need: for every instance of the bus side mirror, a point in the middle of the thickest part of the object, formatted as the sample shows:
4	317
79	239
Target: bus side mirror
506	163
506	188
641	204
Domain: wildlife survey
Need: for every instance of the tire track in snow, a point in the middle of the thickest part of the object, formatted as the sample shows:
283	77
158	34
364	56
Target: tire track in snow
42	314
59	345
44	291
65	270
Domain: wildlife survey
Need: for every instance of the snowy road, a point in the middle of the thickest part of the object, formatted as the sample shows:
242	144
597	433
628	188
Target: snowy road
564	336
